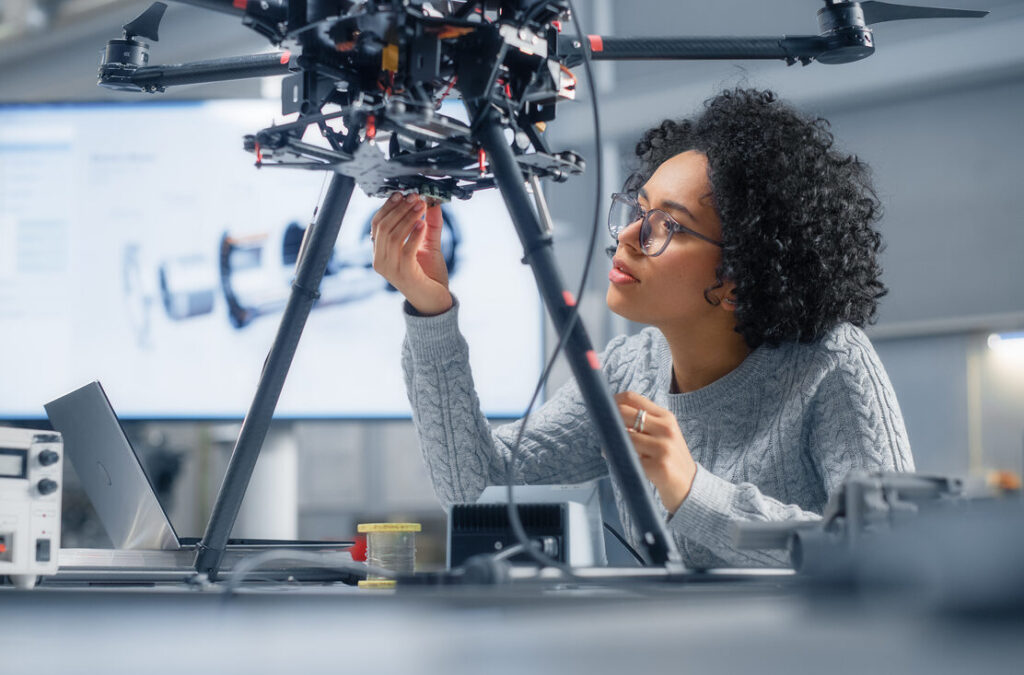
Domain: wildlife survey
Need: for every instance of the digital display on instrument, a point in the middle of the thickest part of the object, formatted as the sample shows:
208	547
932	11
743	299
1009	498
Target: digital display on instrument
12	463
140	247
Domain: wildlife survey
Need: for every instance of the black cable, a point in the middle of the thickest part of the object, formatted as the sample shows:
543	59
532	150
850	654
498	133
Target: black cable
488	89
622	540
513	513
534	11
463	11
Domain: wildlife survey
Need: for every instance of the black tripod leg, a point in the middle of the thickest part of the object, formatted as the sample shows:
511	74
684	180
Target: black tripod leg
622	460
310	272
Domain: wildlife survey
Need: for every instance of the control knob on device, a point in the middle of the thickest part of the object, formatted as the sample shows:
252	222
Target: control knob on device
46	486
48	457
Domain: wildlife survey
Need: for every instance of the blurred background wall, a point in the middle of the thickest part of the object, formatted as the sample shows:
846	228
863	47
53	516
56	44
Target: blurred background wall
936	112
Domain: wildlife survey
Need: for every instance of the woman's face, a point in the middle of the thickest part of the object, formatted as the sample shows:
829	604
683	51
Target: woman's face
668	290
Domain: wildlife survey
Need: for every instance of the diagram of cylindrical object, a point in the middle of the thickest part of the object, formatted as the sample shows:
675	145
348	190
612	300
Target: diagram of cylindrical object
188	286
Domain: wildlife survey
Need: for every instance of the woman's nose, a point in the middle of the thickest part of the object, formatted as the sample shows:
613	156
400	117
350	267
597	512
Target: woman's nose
630	234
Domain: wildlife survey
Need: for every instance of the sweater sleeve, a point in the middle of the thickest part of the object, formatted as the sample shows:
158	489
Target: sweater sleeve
463	454
702	525
852	422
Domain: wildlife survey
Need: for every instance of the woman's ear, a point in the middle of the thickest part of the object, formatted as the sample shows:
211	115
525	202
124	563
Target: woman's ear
727	295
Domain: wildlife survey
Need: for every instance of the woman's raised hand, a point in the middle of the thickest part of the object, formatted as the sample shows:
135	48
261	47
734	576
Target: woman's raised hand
659	443
407	252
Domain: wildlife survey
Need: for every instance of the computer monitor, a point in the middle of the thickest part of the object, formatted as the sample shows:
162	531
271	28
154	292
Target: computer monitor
140	246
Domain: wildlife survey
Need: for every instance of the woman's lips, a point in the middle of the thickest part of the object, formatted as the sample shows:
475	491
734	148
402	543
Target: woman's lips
621	276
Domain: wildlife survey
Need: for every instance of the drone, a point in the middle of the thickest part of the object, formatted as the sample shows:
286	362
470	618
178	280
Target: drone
387	66
372	77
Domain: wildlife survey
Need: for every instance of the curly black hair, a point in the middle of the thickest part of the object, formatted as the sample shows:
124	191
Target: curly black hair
797	215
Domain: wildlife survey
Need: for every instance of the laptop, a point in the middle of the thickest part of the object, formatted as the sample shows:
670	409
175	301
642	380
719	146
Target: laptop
113	478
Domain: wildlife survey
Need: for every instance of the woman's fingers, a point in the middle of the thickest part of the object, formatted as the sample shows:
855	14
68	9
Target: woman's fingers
631	403
629	414
647	447
396	213
660	447
636	400
397	225
387	210
398	235
435	224
392	234
415	239
403	232
387	207
648	432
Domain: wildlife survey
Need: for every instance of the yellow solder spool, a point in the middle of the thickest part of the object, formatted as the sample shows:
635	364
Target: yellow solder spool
391	546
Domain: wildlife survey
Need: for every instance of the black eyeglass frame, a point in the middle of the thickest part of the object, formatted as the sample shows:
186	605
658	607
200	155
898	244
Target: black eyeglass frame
629	199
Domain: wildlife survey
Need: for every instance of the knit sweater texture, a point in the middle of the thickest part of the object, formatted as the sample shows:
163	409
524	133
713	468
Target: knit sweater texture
772	439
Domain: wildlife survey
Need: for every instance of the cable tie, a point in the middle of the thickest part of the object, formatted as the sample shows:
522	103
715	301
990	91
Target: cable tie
312	295
542	243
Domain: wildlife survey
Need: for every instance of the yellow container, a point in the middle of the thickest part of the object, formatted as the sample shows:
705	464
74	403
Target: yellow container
391	546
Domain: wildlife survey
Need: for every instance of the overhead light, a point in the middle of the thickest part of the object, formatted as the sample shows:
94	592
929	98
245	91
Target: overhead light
1012	343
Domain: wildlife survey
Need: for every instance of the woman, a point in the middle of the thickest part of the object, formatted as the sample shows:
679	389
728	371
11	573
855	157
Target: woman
748	246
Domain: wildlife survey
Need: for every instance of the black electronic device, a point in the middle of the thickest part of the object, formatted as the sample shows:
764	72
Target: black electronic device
484	528
382	67
562	522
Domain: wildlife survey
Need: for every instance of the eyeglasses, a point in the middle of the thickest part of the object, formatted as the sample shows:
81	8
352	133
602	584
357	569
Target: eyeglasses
656	228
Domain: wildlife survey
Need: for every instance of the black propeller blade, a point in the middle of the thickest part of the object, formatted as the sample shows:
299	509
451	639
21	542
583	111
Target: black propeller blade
877	12
146	24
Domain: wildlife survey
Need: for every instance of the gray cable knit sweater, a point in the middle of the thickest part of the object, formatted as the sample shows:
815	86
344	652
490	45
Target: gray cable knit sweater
772	439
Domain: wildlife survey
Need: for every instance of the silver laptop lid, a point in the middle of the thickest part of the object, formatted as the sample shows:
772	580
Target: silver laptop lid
110	470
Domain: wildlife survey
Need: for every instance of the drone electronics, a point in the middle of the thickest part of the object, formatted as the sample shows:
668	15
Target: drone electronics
371	75
389	64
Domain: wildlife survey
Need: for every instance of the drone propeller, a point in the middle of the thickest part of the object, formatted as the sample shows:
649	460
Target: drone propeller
844	25
146	24
877	12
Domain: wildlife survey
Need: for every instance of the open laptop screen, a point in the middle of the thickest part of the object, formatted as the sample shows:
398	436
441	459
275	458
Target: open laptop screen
112	475
110	471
